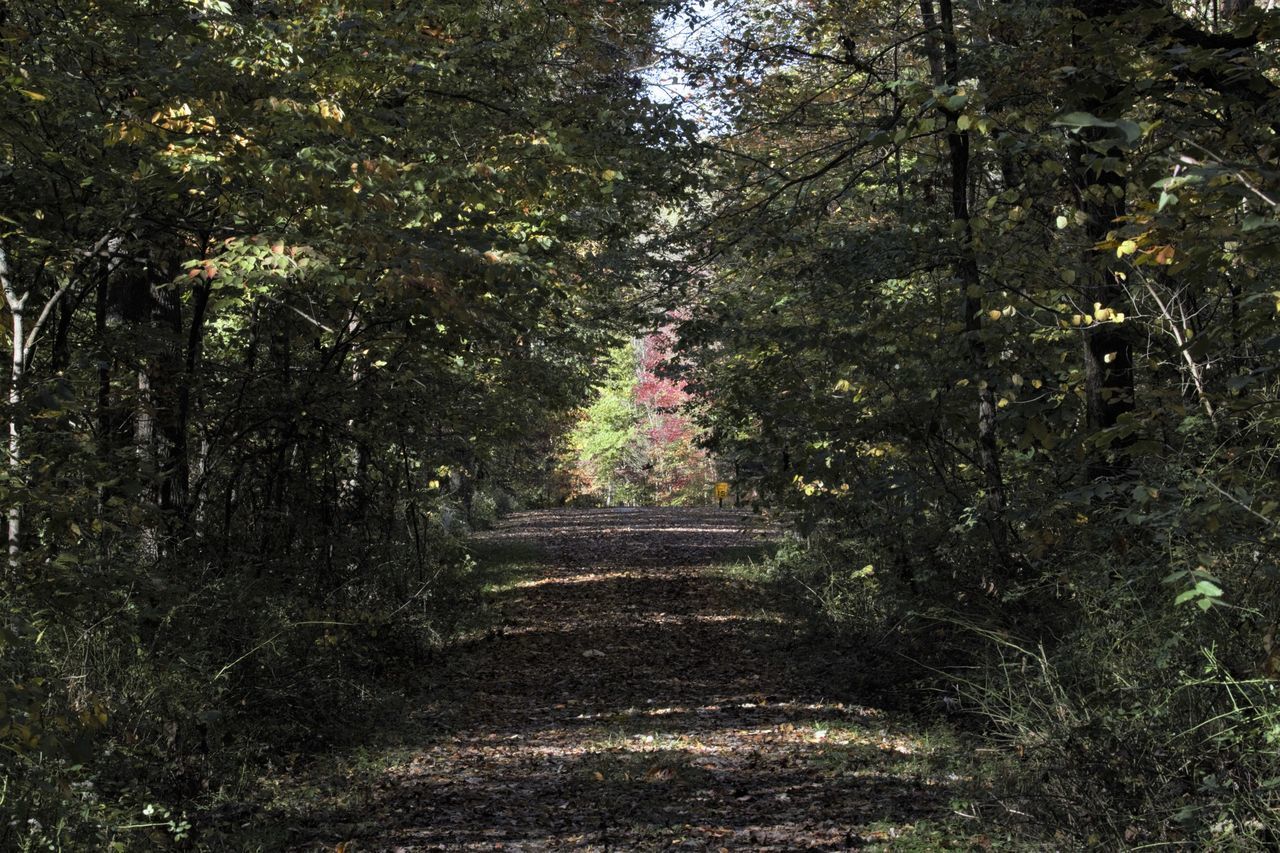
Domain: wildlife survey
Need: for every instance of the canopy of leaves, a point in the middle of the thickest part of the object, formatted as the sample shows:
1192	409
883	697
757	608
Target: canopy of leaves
988	297
294	288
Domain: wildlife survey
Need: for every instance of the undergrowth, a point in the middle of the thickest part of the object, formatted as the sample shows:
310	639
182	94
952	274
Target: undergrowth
1110	714
192	694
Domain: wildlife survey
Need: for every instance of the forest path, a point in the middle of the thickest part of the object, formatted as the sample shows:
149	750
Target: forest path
638	696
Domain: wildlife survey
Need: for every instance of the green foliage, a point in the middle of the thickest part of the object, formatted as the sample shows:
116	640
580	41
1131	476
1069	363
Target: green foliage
634	444
1133	726
981	295
605	442
296	289
821	578
992	302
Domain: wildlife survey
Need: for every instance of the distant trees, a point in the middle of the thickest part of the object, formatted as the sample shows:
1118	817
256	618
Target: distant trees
636	443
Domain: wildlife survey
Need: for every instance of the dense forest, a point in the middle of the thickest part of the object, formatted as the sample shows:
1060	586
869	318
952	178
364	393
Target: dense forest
976	298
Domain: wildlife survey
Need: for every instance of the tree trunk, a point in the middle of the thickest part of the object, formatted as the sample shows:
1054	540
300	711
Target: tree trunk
22	346
139	300
944	65
182	498
17	309
1100	188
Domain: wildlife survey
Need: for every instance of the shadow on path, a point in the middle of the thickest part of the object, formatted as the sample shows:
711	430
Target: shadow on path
636	698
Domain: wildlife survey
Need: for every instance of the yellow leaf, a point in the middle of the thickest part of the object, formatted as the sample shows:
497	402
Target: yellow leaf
994	314
1128	247
35	96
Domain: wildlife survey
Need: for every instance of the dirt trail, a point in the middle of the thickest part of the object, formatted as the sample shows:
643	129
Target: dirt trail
636	697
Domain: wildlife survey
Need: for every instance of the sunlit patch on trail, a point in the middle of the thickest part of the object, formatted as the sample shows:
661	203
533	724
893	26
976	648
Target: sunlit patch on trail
590	577
735	706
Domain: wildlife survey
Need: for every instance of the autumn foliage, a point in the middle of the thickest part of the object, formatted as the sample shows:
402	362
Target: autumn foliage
636	443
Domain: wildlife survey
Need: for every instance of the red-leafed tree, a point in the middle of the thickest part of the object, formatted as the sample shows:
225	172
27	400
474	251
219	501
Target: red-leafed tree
636	443
679	472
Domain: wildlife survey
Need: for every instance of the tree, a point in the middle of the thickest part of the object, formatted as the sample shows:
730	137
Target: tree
979	285
289	282
636	443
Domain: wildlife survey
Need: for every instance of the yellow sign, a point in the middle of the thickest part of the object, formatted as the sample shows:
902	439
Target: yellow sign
722	491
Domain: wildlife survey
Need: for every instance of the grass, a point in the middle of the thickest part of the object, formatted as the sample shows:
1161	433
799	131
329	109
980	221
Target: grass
924	747
328	790
745	562
502	566
927	836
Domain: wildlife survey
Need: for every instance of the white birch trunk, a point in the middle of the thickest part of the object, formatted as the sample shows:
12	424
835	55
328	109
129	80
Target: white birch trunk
17	308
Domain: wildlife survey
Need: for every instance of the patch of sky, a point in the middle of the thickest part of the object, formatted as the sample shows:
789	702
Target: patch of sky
691	37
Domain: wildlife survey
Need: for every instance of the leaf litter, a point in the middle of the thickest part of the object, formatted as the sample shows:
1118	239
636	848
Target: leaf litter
636	696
